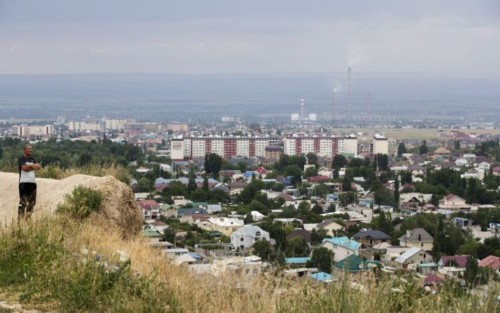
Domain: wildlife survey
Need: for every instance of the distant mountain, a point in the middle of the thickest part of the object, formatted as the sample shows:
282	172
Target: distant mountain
180	96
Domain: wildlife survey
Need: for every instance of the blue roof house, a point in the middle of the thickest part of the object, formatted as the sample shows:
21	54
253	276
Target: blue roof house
342	247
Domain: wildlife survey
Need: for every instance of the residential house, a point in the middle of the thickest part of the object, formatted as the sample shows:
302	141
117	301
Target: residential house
462	222
300	233
351	264
417	169
471	157
257	216
418	238
322	277
297	262
173	253
318	179
184	259
195	218
260	171
485	166
414	199
492	262
225	225
369	238
246	236
475	173
236	187
214	208
150	209
190	211
168	210
152	234
496	171
442	152
461	162
453	202
295	222
179	200
342	247
330	226
325	172
411	258
157	225
391	252
453	265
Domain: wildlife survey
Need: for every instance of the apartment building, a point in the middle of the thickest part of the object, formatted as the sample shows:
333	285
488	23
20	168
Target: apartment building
326	146
227	147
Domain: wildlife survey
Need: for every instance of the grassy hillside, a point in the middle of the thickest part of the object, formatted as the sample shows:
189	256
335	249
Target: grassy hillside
67	266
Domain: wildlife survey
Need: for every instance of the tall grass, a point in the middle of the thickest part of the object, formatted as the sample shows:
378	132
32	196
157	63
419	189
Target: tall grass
66	265
55	172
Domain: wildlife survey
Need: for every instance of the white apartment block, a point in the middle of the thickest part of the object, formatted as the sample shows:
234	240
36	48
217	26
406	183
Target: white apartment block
226	147
115	124
35	130
83	126
326	146
380	144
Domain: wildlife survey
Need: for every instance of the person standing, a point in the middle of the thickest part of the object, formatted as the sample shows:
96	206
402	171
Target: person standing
27	184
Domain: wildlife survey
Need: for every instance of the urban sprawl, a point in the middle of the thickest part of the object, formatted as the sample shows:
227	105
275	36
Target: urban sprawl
314	201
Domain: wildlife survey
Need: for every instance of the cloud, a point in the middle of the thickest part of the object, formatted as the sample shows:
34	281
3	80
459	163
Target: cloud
250	36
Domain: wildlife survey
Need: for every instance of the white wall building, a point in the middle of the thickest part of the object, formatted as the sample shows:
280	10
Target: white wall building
226	147
327	146
35	130
247	235
380	144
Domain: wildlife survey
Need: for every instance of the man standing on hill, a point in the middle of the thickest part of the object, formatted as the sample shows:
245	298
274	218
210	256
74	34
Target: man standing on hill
27	184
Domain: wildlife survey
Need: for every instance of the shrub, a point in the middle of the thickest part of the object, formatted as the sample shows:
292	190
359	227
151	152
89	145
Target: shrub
81	203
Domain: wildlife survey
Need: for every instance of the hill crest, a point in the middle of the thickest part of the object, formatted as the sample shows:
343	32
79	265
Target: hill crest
118	204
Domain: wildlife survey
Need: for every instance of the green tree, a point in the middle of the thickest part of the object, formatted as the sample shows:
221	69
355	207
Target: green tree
317	236
423	149
339	161
191	187
383	222
213	164
263	249
312	158
347	181
346	198
322	259
471	273
331	208
296	247
396	191
310	171
295	173
401	149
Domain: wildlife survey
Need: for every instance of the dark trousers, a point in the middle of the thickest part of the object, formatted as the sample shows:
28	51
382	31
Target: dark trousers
27	198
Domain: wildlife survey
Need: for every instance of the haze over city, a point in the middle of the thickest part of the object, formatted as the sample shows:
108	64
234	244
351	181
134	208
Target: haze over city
420	59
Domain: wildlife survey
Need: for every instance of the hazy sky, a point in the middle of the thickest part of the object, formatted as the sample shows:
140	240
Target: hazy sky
239	36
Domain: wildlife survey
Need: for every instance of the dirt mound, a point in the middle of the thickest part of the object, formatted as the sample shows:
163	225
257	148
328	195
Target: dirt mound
118	206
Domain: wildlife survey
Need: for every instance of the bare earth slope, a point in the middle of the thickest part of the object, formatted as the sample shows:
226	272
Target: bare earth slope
118	207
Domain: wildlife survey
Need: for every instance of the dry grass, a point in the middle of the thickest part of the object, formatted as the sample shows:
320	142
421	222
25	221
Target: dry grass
55	172
178	290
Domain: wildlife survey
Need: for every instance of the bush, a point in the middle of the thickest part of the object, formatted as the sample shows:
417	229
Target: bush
81	203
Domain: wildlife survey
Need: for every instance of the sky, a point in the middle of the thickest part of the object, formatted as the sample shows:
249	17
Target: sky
448	37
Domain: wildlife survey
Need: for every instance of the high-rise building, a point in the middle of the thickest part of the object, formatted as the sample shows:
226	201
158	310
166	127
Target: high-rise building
380	144
326	146
226	147
35	130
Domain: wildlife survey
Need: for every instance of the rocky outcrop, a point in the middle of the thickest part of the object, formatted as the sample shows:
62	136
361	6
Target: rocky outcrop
118	206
